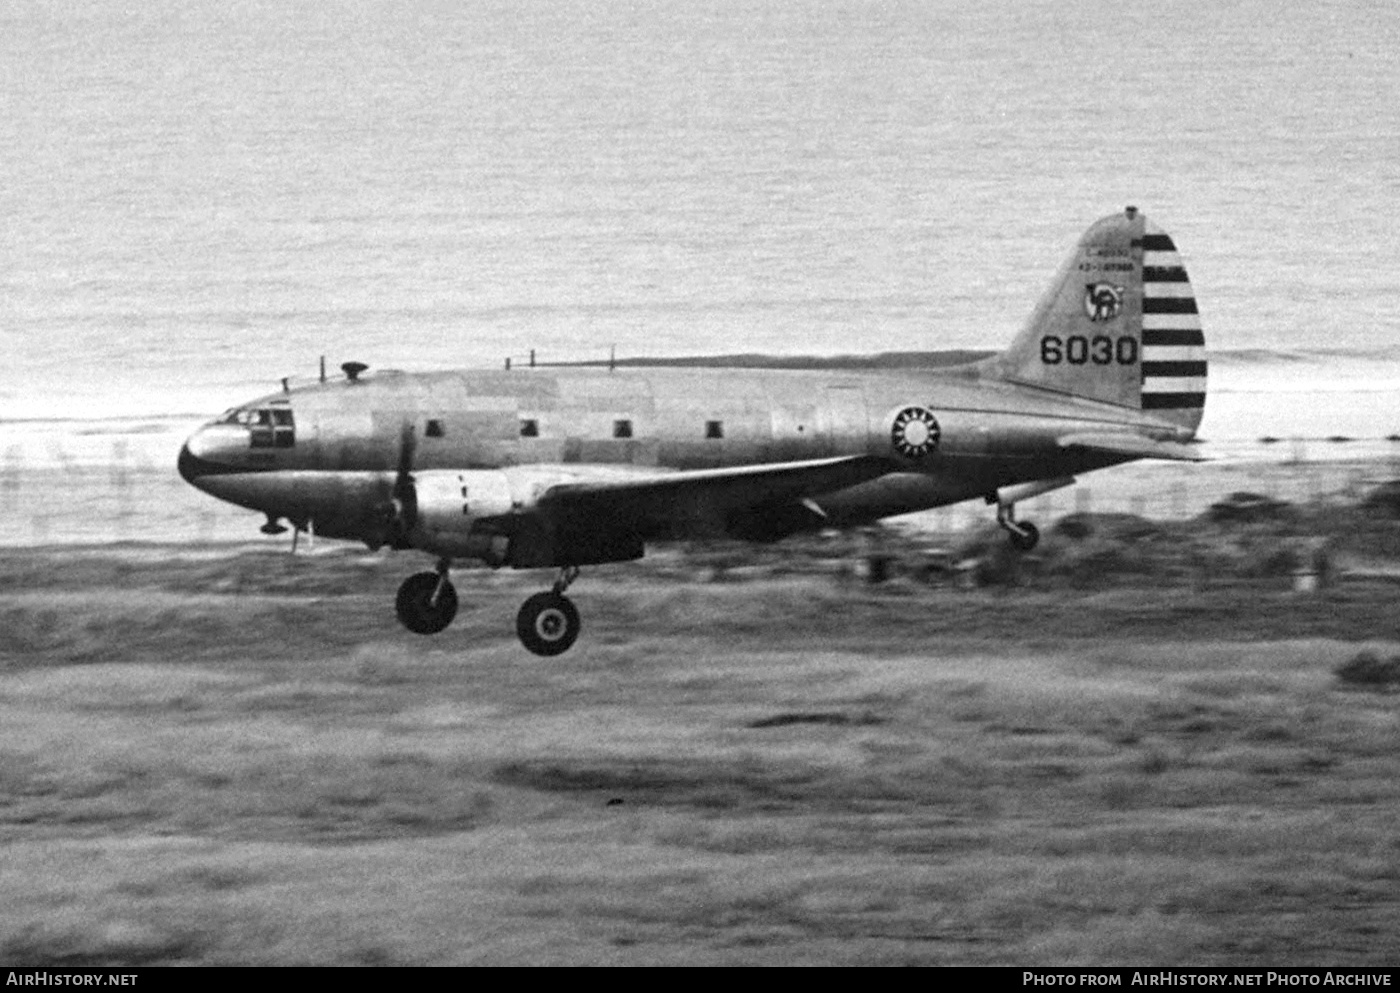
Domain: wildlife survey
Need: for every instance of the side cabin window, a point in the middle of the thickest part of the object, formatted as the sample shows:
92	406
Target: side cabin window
714	429
622	428
271	427
433	428
529	427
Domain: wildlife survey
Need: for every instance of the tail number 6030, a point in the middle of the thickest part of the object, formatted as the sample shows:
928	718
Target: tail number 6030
1079	350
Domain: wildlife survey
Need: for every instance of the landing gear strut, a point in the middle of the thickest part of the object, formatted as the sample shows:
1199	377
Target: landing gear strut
548	623
1023	534
427	601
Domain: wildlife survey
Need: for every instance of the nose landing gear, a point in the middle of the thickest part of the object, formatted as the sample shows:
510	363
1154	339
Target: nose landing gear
548	623
427	601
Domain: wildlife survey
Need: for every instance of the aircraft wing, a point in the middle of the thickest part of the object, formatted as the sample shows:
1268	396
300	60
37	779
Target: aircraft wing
661	502
1132	445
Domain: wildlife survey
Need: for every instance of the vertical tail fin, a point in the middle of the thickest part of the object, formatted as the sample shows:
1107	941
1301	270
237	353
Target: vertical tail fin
1119	324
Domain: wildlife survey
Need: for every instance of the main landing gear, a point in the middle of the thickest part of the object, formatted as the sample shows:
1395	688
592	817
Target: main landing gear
1023	534
548	623
427	601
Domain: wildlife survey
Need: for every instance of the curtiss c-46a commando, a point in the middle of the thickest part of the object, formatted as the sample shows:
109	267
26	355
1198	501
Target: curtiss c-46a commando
565	467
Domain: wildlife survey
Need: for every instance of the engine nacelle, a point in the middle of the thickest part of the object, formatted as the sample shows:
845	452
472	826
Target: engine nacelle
463	513
494	515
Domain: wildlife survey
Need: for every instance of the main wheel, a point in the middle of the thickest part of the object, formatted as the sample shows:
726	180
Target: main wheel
415	604
1025	539
548	623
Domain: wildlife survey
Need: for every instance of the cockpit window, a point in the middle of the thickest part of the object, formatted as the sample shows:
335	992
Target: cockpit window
271	427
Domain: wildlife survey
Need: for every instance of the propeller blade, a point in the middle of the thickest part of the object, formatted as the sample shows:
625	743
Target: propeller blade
405	494
408	446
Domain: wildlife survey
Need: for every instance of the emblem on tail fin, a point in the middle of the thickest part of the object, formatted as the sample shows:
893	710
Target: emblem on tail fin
1102	301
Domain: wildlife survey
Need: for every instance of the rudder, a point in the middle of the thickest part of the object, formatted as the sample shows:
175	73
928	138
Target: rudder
1119	324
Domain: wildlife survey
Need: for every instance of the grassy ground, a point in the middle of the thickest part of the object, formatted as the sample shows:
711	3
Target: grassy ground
241	758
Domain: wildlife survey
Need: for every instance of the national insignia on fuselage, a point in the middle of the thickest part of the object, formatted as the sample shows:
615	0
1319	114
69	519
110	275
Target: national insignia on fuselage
915	432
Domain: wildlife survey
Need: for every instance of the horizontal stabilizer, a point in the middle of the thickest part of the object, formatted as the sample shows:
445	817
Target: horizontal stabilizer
1133	445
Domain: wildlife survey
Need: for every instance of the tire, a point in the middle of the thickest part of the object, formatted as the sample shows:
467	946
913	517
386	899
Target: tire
1025	542
415	607
548	624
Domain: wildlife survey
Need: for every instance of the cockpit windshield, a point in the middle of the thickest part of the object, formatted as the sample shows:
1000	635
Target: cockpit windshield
268	427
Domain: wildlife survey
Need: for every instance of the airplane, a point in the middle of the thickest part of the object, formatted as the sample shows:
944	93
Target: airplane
562	467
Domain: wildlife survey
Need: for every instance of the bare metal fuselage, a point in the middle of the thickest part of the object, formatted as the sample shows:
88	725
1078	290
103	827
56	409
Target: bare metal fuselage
335	463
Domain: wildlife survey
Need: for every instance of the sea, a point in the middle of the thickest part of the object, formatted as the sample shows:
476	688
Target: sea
200	198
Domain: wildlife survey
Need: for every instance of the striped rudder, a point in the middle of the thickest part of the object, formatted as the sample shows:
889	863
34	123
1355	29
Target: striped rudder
1173	344
1118	325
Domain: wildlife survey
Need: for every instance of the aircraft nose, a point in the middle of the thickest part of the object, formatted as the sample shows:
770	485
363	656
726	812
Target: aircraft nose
189	470
191	466
208	452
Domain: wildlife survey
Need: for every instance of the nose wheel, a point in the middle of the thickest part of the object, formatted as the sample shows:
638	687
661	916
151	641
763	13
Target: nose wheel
548	623
427	601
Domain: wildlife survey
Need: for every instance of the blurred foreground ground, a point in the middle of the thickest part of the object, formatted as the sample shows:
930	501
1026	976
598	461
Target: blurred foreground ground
1132	749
